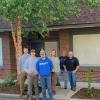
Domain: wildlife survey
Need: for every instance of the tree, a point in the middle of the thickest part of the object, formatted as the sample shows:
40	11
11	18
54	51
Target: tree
38	14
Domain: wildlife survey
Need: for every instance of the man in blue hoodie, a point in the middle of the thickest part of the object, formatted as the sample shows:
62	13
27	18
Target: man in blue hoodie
44	67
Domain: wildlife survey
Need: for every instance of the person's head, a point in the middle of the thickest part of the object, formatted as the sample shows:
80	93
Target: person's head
42	54
53	53
70	54
25	50
33	53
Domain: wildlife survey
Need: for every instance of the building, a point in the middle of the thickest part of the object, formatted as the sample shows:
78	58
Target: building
82	35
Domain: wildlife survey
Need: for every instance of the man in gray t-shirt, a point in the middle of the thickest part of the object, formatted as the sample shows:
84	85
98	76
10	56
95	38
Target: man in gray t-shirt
21	73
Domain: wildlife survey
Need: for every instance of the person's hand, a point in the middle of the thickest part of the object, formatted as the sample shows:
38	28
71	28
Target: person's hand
19	72
29	74
65	70
32	73
38	77
74	71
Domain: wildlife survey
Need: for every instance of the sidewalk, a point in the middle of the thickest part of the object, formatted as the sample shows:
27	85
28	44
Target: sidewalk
66	94
62	94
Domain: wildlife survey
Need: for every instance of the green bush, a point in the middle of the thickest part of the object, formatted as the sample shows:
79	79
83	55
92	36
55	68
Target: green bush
90	80
9	81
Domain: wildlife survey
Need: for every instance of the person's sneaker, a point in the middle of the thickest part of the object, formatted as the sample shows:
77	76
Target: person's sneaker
21	94
65	88
30	98
54	92
73	89
58	85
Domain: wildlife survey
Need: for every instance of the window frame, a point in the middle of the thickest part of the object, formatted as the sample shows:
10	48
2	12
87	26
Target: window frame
1	47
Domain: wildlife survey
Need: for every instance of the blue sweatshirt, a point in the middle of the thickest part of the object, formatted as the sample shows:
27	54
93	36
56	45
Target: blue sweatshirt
44	66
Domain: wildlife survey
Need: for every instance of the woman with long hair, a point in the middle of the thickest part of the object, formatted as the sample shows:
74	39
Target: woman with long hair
56	70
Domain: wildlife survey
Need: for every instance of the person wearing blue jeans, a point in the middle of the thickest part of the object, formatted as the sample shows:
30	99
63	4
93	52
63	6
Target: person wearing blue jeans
62	71
46	81
72	79
65	79
44	68
71	66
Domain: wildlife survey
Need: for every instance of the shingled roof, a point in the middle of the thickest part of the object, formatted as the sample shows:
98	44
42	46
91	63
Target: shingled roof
3	25
88	17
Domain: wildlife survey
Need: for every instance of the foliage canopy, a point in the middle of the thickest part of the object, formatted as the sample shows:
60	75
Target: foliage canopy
40	13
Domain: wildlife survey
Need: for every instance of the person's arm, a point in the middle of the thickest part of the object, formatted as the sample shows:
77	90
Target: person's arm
65	66
51	64
58	65
37	66
26	66
77	65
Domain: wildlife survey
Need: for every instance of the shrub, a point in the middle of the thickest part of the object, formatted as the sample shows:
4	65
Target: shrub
89	80
9	81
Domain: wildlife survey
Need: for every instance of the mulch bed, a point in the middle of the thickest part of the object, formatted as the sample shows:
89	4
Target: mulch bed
10	90
82	94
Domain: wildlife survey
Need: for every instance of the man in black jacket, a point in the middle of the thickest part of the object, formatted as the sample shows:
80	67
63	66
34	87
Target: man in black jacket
71	65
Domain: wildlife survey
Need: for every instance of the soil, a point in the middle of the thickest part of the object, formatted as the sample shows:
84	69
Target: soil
82	94
15	89
10	90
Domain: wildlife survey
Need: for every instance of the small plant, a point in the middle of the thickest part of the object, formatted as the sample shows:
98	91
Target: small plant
9	81
89	80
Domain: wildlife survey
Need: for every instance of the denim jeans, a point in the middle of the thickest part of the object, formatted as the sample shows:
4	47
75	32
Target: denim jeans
46	81
65	77
58	80
72	79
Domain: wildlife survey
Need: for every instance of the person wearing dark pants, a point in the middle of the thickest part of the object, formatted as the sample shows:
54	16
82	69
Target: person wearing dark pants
62	71
32	75
44	67
71	66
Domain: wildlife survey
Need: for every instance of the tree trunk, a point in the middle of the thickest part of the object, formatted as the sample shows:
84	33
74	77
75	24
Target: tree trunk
17	38
19	35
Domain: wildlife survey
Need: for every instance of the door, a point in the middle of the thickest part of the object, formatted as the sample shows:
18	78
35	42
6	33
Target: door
50	46
37	45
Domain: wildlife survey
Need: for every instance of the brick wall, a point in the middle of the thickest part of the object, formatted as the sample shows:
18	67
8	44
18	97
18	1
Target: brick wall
12	55
82	75
6	56
63	40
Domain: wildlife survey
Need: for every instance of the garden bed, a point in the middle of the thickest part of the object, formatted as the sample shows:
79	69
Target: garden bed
10	90
82	94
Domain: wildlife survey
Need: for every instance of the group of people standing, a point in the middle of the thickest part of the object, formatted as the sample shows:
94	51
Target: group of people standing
48	70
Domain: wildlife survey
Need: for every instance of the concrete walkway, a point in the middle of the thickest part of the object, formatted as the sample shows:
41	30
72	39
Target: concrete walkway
62	94
66	94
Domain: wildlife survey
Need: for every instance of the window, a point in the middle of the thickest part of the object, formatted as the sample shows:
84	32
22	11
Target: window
1	56
87	49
